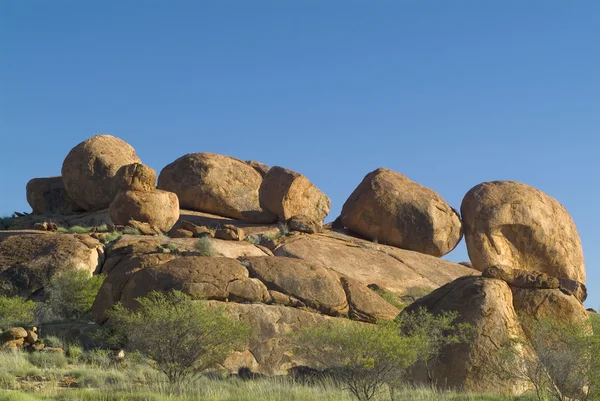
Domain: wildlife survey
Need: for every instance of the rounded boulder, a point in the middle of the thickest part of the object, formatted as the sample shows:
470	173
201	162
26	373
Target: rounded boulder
513	224
89	170
159	209
390	208
217	184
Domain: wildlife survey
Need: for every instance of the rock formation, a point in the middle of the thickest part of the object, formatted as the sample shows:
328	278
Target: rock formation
47	196
389	208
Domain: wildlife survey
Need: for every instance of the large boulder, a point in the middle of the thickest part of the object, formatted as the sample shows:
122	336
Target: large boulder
287	194
391	209
89	170
216	184
487	305
47	196
159	209
28	262
398	270
509	223
312	283
135	177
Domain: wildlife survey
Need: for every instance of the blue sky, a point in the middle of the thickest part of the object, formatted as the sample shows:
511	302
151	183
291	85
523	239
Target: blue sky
450	93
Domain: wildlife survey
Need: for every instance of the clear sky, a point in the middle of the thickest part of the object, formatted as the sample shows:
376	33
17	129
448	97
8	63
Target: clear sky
450	93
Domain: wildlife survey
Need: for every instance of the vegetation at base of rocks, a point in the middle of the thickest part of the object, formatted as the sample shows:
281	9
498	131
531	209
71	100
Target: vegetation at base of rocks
183	336
204	246
131	231
566	363
15	310
170	246
6	222
391	297
70	295
434	332
111	237
361	358
252	239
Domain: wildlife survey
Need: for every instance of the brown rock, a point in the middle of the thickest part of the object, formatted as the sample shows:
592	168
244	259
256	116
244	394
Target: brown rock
270	326
248	290
260	168
135	177
366	305
305	224
230	232
398	270
548	303
312	283
89	170
47	196
287	194
198	276
217	184
32	337
160	209
509	223
13	333
12	344
521	278
391	209
487	305
180	233
575	288
285	300
198	231
28	262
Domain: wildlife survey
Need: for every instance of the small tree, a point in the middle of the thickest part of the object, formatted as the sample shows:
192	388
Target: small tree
361	357
434	333
70	295
184	337
15	310
563	361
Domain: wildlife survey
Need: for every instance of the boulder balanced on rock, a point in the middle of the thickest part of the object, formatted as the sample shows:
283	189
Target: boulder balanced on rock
288	194
90	168
392	209
509	223
159	209
47	196
215	184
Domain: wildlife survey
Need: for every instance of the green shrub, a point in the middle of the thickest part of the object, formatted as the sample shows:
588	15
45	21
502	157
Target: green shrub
74	351
204	246
63	230
131	231
183	336
15	310
390	297
96	378
111	237
48	360
361	357
70	295
7	381
171	246
79	230
52	342
433	333
96	357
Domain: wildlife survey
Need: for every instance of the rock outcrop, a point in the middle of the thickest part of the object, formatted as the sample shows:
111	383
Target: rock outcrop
158	209
509	223
28	262
135	177
90	168
47	196
391	209
216	184
287	193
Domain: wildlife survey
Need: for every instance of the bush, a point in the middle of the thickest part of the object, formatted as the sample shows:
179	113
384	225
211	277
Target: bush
48	360
7	381
433	333
15	310
70	295
183	336
362	357
205	247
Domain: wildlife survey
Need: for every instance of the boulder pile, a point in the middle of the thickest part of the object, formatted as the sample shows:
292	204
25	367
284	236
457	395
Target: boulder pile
252	239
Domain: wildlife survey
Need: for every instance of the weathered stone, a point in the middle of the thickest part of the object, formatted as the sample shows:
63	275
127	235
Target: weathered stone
159	209
248	290
509	223
521	278
13	333
391	209
312	283
398	270
304	224
261	168
135	177
32	337
47	196
548	303
366	305
89	170
180	233
230	232
217	184
487	305
198	231
287	194
28	262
